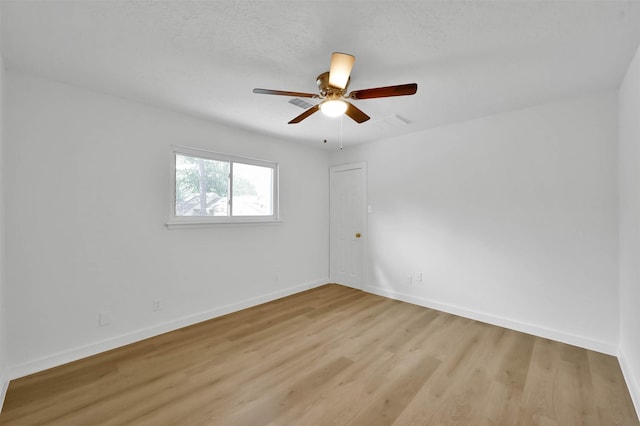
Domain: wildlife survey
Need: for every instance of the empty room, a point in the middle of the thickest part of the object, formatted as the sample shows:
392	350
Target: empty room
319	212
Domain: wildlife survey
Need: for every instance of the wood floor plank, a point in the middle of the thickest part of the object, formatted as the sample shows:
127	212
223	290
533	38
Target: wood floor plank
539	402
515	362
330	355
501	405
399	387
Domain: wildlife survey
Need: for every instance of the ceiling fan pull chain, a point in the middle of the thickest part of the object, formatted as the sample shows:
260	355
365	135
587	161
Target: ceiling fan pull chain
341	132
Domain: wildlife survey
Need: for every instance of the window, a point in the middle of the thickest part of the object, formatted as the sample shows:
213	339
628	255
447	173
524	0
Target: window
209	187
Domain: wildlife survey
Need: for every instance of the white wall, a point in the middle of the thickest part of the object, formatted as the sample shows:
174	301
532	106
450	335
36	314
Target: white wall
512	219
4	382
87	199
629	163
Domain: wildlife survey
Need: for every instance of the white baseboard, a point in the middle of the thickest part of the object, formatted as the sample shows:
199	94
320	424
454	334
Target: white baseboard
560	336
5	385
632	382
77	353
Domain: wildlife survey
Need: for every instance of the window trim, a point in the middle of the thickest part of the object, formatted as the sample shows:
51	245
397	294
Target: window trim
204	221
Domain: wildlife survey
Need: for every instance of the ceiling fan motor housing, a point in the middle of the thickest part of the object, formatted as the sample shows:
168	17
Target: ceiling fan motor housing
326	90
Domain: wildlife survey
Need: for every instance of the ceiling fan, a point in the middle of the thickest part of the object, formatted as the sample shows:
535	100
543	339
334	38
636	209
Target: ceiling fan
332	86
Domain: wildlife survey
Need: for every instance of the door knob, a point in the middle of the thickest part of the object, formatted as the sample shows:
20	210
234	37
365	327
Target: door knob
357	235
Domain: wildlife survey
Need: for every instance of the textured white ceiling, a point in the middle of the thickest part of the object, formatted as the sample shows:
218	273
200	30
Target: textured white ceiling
469	58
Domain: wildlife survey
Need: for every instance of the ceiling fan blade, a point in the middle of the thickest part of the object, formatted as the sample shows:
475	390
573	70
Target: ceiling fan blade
305	114
356	114
341	64
385	92
284	93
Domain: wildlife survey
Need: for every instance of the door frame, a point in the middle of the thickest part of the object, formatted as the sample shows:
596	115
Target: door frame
363	211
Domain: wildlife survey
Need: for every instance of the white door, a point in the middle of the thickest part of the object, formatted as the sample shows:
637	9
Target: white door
347	226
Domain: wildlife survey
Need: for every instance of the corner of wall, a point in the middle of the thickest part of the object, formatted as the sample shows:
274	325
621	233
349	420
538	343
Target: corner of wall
4	381
632	383
629	227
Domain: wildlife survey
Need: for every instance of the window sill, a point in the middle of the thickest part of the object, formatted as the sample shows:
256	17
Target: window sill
191	224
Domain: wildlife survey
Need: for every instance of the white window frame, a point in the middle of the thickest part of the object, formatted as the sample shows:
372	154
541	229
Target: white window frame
198	221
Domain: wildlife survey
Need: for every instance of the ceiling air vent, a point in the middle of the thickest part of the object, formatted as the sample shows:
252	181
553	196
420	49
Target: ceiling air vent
301	103
391	121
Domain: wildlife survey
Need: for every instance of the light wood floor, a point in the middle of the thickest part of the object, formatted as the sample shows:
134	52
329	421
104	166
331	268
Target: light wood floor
331	356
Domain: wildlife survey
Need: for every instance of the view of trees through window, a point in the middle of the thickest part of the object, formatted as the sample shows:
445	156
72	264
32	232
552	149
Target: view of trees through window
203	186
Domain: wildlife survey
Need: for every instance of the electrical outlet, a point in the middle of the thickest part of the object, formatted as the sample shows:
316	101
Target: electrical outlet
419	277
158	305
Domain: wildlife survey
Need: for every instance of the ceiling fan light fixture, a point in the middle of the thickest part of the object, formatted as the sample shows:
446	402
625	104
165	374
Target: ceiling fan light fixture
341	64
333	107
